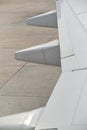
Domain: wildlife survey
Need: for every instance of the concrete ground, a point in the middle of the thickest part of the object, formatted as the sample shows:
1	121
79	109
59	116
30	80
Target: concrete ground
24	86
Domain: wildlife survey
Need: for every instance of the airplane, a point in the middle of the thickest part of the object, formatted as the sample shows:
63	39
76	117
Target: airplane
67	105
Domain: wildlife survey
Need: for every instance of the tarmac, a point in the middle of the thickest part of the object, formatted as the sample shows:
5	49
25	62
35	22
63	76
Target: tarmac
24	86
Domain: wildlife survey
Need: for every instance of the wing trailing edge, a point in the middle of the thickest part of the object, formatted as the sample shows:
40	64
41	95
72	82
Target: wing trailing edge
48	53
48	19
22	121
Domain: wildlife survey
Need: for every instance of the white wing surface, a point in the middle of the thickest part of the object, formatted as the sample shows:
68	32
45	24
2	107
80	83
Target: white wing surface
73	19
67	106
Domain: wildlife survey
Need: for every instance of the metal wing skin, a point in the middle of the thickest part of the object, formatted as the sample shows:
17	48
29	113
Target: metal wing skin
67	106
73	34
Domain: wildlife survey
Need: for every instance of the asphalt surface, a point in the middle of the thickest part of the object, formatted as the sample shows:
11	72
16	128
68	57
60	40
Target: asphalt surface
24	86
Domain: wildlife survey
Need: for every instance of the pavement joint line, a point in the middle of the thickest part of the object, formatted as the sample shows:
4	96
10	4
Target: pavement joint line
12	76
50	39
23	96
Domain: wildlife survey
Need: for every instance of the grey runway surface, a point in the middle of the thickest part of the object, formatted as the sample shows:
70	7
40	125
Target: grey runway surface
24	86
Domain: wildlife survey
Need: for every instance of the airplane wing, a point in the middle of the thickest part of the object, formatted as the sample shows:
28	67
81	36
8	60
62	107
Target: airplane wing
67	106
48	19
73	37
